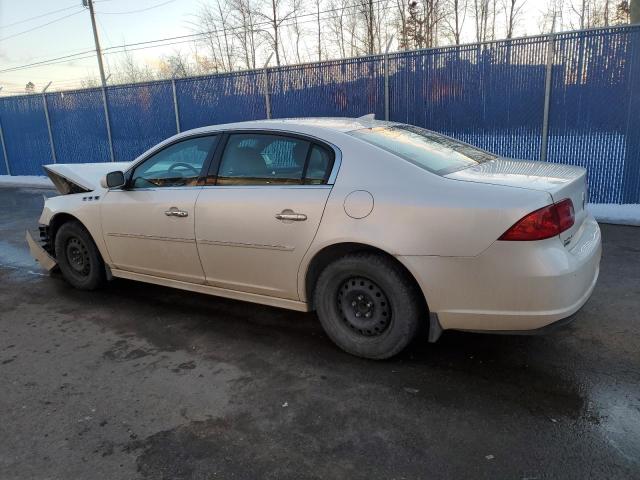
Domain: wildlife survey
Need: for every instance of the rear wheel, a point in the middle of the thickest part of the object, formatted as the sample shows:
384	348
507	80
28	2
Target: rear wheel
78	257
368	306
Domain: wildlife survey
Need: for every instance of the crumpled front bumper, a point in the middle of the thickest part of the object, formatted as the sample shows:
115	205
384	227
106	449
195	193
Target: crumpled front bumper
40	254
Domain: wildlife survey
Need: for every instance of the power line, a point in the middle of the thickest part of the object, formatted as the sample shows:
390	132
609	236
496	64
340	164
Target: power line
40	26
39	16
168	41
139	10
46	62
241	27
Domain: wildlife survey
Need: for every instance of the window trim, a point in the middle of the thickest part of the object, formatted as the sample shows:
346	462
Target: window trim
205	165
330	175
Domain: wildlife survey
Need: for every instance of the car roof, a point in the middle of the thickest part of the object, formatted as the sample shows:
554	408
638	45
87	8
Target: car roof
336	124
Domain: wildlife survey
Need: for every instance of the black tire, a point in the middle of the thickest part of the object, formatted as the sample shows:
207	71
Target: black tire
78	257
368	306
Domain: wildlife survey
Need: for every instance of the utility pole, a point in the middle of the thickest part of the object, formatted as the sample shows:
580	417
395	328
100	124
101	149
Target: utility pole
89	3
635	11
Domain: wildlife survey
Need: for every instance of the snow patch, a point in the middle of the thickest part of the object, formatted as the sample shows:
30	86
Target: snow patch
625	214
25	181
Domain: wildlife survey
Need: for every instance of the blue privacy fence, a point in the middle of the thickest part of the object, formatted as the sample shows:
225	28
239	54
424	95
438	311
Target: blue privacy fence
569	98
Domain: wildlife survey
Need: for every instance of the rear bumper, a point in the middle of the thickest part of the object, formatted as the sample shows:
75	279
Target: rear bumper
512	286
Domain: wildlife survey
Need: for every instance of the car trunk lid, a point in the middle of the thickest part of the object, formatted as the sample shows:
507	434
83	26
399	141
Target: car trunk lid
560	181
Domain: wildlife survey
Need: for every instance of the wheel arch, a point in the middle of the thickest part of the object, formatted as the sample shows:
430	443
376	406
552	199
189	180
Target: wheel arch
60	218
323	257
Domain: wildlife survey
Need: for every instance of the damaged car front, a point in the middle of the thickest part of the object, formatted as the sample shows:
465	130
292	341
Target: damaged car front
80	190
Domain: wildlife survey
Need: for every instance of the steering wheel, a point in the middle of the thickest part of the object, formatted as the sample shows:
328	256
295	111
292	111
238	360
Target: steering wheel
175	166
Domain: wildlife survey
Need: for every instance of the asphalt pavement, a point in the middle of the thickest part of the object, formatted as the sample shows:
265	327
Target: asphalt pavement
141	381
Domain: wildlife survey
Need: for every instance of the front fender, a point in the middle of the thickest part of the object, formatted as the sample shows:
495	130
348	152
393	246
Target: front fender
83	207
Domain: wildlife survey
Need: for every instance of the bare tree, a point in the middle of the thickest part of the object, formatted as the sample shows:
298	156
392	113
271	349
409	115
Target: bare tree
128	70
552	17
245	30
275	14
512	13
481	16
214	22
454	17
384	25
90	81
338	24
485	12
176	65
319	25
623	13
401	23
297	28
421	25
366	14
585	14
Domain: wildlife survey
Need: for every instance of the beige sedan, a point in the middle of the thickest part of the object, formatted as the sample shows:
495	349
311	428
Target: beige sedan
380	227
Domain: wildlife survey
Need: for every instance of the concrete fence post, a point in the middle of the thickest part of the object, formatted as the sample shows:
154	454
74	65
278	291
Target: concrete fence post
45	106
544	143
107	122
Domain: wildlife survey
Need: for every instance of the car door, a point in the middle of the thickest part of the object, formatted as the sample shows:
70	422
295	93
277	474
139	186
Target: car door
148	226
255	224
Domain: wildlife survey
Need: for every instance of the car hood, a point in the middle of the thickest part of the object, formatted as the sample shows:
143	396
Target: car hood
80	177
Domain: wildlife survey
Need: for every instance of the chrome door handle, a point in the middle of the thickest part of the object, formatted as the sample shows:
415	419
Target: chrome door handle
291	216
174	212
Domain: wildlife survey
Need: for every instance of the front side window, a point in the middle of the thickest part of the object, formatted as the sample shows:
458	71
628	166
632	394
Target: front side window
178	165
429	150
262	159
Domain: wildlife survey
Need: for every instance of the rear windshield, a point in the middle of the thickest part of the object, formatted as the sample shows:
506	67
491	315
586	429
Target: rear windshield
434	152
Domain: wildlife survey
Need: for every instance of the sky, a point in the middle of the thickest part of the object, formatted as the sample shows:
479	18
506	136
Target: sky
119	21
74	34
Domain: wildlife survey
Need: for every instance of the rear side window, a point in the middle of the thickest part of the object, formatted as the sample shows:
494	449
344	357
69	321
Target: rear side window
258	159
265	159
429	150
319	166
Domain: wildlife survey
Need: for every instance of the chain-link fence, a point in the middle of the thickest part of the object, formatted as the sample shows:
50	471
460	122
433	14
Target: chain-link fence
569	98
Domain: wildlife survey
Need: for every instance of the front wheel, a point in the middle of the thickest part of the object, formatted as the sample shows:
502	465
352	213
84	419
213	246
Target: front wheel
78	257
368	306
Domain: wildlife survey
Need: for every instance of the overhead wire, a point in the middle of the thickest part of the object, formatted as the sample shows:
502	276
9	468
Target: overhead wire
19	22
179	39
40	26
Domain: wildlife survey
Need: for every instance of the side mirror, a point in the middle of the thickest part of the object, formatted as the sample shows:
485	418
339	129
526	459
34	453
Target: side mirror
113	180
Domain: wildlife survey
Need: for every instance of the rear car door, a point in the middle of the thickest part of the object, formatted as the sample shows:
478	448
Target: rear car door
261	209
148	226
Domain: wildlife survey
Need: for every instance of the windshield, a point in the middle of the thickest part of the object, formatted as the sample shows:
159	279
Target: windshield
430	150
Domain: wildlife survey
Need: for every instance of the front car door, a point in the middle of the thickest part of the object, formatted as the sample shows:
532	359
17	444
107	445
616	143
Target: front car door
148	226
254	225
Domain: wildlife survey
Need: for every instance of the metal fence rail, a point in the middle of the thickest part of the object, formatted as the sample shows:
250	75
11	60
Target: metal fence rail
568	98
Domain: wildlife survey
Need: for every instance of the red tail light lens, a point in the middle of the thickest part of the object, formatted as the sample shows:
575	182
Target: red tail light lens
566	215
544	223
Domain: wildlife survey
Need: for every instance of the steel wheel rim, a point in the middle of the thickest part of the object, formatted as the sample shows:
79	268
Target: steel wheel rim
78	256
363	307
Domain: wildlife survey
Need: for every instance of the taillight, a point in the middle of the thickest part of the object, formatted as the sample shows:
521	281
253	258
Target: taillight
544	223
